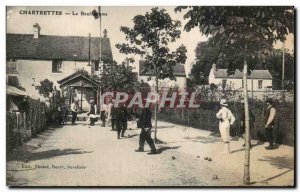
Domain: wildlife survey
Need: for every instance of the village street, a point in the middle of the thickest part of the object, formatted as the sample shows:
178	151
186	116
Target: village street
82	156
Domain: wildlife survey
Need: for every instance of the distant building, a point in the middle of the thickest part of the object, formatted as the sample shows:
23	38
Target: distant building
178	71
32	58
261	79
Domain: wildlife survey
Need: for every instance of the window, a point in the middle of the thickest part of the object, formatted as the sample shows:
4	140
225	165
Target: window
56	66
11	65
260	84
242	83
12	80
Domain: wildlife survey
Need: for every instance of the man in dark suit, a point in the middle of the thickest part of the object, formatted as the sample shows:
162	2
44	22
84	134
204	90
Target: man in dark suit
145	135
270	122
121	120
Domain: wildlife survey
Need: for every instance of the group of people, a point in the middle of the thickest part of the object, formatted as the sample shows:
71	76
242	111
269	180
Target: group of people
117	118
226	119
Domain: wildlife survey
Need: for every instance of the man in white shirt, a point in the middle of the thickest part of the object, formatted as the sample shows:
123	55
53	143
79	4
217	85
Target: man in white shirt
74	109
226	119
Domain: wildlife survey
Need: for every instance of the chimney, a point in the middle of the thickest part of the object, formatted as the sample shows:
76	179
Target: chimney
214	67
105	33
211	77
36	31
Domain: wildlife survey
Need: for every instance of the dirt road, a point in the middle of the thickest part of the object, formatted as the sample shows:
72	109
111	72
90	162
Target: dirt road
82	156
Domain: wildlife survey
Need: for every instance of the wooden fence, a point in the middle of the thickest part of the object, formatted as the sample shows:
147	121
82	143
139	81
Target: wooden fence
20	127
205	118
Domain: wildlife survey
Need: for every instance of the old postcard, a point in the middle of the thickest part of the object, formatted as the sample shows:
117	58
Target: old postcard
151	96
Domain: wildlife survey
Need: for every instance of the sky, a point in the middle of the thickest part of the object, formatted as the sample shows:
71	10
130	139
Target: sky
82	25
77	25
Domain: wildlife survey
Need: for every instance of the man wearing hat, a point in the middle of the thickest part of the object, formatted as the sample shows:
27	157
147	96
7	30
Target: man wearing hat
269	122
226	119
145	135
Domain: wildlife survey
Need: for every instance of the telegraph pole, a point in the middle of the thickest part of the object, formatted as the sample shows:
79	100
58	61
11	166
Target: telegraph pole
98	14
100	52
89	64
283	53
100	31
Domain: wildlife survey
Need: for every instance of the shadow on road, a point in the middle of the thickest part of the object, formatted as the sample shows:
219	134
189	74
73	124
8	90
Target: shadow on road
130	136
270	178
280	162
276	146
31	156
161	149
204	140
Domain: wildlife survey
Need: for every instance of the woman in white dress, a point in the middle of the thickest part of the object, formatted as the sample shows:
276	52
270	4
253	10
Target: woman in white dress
226	119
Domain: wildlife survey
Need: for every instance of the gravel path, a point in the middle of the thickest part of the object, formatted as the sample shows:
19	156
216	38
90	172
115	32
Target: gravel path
82	156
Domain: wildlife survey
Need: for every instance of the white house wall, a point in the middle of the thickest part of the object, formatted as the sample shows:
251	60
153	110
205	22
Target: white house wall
180	82
41	69
237	83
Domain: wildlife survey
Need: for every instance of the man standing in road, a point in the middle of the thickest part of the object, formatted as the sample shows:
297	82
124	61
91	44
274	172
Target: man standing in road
270	122
74	109
145	135
109	111
124	119
226	119
103	114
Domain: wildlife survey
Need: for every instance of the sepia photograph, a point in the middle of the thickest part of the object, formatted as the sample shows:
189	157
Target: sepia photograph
150	96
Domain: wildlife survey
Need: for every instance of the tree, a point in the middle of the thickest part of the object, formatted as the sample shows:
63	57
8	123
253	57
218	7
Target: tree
119	78
45	88
150	37
274	64
243	34
206	54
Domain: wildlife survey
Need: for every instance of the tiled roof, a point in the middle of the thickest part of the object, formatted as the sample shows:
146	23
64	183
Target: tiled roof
257	74
78	80
178	69
24	46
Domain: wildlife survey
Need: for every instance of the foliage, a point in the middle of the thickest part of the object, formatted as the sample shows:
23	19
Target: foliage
45	88
274	64
144	88
150	37
16	84
206	55
206	114
82	72
119	78
243	33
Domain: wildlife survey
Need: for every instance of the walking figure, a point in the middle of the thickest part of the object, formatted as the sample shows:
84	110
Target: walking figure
226	119
270	122
121	120
113	116
145	135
